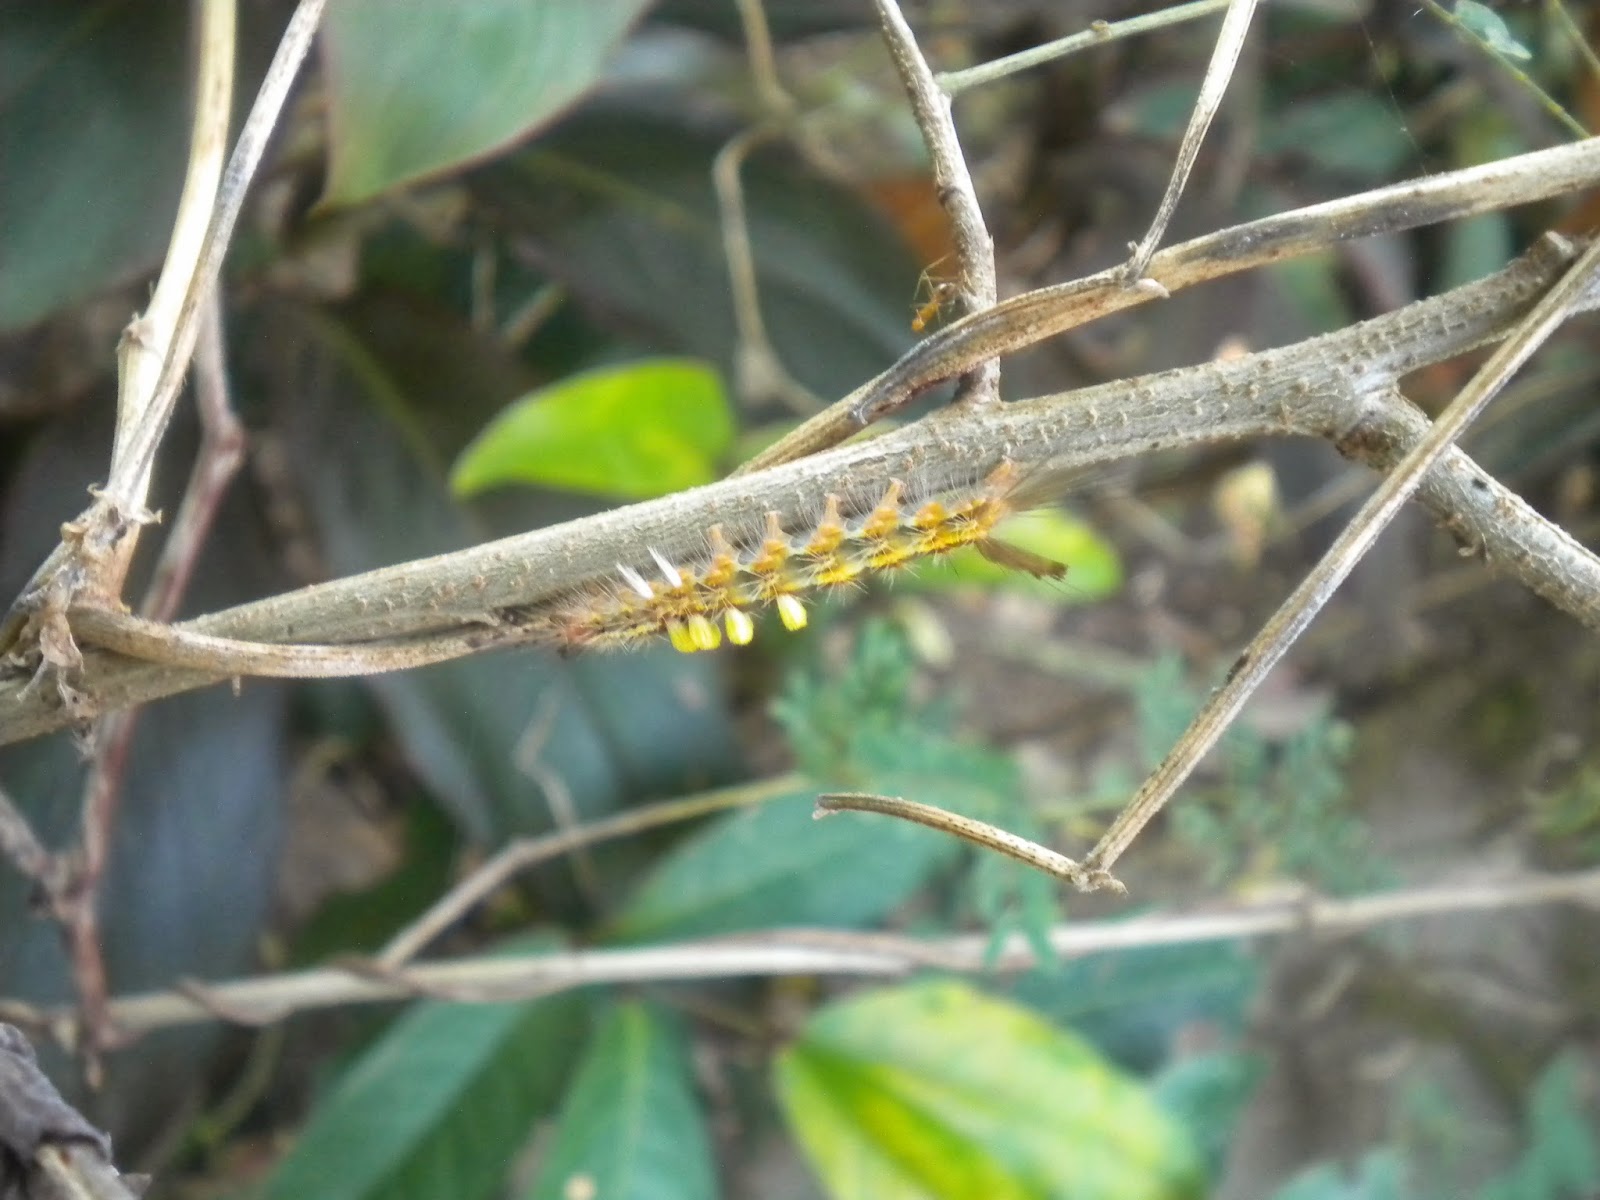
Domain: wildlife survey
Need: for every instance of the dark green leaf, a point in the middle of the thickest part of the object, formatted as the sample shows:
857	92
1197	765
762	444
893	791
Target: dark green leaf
1563	1153
1378	1176
1350	132
621	207
937	1092
637	431
777	865
631	1127
1207	1094
200	820
1132	1003
439	1106
416	89
93	114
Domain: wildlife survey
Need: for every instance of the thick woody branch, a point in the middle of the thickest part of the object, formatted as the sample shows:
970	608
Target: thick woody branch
1324	387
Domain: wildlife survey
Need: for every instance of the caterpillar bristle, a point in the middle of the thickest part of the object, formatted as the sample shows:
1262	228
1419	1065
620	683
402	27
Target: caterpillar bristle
693	603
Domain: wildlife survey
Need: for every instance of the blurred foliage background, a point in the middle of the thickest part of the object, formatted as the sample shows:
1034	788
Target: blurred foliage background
481	287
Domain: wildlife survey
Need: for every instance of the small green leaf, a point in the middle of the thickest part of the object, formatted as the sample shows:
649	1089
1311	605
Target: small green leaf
1093	569
1490	27
631	1128
438	1106
937	1092
640	430
416	89
776	865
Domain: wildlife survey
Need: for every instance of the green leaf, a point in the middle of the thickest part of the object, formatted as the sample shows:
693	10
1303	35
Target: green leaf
630	1128
1378	1176
1093	569
1490	27
937	1092
1563	1154
620	206
1208	1094
1133	1003
438	1106
1350	132
416	89
93	119
638	431
777	865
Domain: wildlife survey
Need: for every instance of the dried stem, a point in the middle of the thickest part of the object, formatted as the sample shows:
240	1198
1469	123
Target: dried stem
793	952
20	844
978	833
1098	33
526	853
761	373
1230	40
1296	613
974	248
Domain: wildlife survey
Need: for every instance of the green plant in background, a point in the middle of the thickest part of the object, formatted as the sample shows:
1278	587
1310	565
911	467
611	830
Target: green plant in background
1568	816
862	730
1560	1159
1283	805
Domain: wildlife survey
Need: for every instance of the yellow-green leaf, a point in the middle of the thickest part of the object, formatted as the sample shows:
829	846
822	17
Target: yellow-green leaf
1093	569
935	1091
636	431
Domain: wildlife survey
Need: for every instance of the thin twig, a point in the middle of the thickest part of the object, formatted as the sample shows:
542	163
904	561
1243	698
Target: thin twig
1099	32
1557	10
1230	40
1469	35
795	952
952	181
760	371
775	99
526	853
1297	611
20	844
978	833
221	453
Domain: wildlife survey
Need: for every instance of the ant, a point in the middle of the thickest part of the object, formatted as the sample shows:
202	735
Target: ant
938	293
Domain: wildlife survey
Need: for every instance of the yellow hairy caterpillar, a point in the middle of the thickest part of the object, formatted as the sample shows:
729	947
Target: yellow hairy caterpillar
743	572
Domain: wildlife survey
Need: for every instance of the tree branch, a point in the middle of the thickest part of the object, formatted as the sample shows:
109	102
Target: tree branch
1323	387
